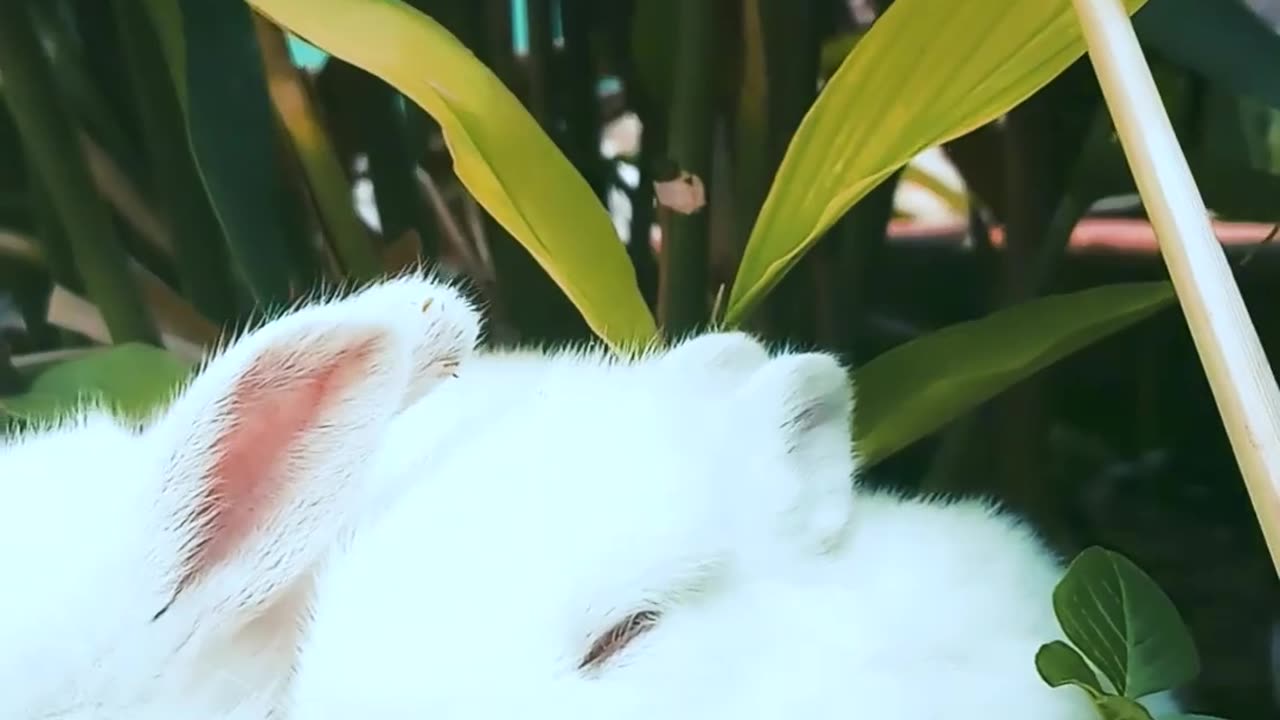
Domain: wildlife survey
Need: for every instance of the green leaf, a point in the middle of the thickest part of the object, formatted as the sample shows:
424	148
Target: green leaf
500	153
1060	664
1189	716
903	88
131	379
51	143
166	17
204	270
89	100
1224	41
919	386
1124	623
213	54
1117	707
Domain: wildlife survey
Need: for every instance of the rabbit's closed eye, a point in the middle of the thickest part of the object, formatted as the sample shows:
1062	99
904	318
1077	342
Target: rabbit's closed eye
617	638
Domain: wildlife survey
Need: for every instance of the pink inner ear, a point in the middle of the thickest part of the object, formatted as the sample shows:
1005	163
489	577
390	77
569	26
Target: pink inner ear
269	411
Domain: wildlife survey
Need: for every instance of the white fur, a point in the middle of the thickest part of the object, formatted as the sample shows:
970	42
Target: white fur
542	499
102	526
457	560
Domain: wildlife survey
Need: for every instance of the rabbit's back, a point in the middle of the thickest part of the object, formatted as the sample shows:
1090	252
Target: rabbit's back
936	609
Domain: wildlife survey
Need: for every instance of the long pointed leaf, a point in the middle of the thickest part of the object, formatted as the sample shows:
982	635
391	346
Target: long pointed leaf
213	55
199	248
500	153
916	388
904	87
52	147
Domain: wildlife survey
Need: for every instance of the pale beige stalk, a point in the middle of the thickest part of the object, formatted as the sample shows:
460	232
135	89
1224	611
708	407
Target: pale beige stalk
1242	383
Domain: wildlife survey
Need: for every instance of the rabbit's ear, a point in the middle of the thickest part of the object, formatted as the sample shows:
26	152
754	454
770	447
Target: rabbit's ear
262	456
801	410
450	332
736	353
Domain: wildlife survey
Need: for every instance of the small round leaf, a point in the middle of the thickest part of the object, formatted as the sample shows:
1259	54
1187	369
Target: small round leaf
1060	664
1122	621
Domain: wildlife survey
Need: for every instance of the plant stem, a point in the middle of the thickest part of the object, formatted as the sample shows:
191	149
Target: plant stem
682	292
1225	339
639	247
581	109
861	235
791	52
538	67
11	382
384	133
52	146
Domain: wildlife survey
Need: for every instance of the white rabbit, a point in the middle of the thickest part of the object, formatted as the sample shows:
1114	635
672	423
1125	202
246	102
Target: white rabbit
577	538
561	536
162	572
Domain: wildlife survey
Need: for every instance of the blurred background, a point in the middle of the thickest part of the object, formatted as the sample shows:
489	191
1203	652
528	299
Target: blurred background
160	202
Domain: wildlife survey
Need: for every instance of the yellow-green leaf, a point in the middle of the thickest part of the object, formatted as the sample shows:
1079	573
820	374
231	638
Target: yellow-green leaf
217	71
500	153
927	71
916	388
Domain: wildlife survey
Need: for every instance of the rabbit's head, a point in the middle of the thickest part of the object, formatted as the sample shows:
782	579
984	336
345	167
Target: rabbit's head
163	571
584	550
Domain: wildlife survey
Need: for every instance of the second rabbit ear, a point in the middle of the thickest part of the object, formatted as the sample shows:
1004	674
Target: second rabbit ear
262	456
802	406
